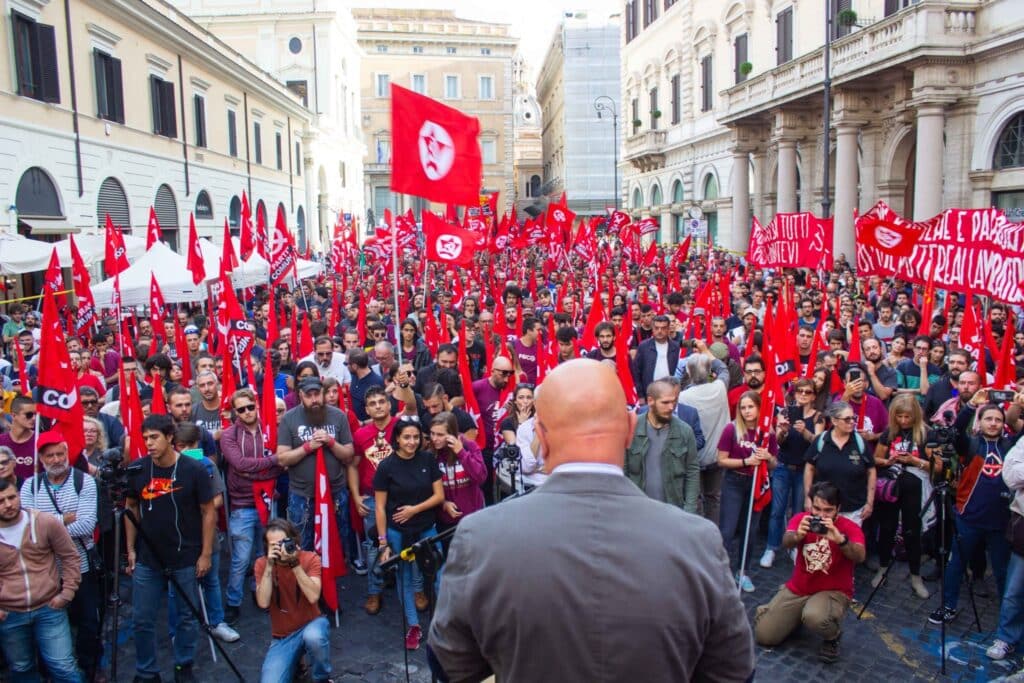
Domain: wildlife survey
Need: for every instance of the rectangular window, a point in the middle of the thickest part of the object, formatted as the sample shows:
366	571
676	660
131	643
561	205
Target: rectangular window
383	83
109	89
419	83
382	48
257	142
489	151
784	36
161	95
634	107
35	58
669	3
417	49
838	7
650	12
298	158
676	108
631	20
487	87
655	113
485	51
232	134
451	88
199	114
450	50
740	51
706	95
277	151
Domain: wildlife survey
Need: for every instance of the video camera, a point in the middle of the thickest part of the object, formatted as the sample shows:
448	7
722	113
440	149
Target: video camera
507	451
113	475
941	439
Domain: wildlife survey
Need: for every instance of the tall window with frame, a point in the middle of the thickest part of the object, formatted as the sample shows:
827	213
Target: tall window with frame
486	87
784	36
654	111
634	108
109	88
838	7
35	59
257	142
706	83
278	161
451	87
232	133
161	94
199	114
383	85
419	83
739	45
676	102
631	20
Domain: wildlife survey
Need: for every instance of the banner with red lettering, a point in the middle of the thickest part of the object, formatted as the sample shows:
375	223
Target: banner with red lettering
964	250
791	240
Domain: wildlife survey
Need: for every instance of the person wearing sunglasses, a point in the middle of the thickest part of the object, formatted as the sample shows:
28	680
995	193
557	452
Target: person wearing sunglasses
488	397
252	474
21	438
843	457
7	467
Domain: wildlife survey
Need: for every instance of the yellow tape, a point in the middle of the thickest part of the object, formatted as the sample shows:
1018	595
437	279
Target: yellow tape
33	297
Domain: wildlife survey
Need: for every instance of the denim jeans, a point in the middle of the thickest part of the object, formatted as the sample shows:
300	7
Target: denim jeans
246	544
787	492
210	584
374	584
45	632
736	489
968	539
1011	611
300	513
314	638
148	588
410	579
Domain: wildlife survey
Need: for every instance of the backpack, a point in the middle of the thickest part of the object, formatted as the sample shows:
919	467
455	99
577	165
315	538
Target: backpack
77	480
819	441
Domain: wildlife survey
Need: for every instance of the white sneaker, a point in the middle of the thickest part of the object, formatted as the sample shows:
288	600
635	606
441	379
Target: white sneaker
225	633
998	650
768	559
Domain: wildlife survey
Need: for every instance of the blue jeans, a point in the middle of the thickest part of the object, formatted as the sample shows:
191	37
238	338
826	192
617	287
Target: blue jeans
787	492
998	556
300	513
148	588
246	544
314	638
43	631
374	584
410	579
210	584
1011	611
732	520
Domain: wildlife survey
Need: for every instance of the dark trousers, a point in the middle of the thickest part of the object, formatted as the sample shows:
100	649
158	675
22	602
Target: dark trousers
732	521
488	486
84	615
907	507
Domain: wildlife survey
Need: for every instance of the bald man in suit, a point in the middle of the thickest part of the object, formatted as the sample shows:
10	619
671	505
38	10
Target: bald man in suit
587	579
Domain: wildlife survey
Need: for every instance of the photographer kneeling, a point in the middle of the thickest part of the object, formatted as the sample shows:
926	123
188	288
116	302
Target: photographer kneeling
289	586
821	588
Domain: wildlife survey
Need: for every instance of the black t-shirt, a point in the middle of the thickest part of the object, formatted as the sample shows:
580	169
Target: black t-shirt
477	354
793	449
169	500
462	418
408	482
846	468
903	444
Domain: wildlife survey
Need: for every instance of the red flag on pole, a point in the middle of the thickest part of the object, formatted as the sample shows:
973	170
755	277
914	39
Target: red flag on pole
447	243
228	259
86	313
53	278
58	386
472	406
116	256
247	240
195	254
436	153
156	307
282	254
326	539
182	348
152	229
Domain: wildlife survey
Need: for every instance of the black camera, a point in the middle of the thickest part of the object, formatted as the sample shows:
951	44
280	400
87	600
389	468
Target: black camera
817	526
508	451
288	546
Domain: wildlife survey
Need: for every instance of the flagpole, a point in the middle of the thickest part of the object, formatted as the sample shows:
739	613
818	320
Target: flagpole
746	533
398	312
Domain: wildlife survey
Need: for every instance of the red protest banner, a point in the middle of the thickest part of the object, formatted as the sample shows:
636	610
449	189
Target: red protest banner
791	240
962	250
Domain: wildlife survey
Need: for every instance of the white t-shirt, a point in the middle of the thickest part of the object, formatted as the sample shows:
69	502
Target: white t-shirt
338	369
661	365
12	535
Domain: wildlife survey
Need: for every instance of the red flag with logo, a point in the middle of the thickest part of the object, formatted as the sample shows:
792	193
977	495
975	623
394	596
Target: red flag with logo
971	338
86	312
436	153
156	307
53	278
447	243
228	259
195	253
326	539
116	257
887	236
57	385
247	240
152	229
282	254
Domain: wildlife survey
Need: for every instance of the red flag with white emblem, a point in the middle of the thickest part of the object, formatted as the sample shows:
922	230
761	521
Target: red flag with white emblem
447	243
326	539
57	387
116	256
195	254
86	313
282	254
53	279
152	229
436	154
156	307
247	240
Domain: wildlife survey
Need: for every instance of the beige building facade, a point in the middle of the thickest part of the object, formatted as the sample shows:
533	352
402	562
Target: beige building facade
125	104
464	64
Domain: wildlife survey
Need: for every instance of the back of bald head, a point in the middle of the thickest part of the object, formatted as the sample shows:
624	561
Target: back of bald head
582	415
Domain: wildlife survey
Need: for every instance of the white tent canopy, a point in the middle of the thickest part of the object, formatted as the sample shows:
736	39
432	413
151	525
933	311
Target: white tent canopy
20	254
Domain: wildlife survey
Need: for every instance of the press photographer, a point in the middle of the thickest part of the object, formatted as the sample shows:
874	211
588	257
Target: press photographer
289	586
818	594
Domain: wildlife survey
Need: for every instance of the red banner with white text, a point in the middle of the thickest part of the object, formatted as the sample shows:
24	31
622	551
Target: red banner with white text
791	240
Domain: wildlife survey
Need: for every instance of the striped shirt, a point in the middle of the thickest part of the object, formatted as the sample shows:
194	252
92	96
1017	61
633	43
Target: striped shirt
83	504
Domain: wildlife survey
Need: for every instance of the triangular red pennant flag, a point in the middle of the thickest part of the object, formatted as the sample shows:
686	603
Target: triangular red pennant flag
159	404
228	259
247	238
152	229
195	253
156	308
116	258
183	357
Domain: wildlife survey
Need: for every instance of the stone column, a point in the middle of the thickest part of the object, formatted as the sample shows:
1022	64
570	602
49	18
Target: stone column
846	189
760	185
785	200
928	162
740	199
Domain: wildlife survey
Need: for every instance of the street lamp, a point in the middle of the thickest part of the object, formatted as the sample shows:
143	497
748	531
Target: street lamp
612	109
826	199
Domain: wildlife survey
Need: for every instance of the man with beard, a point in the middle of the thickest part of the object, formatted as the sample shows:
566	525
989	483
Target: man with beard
329	362
656	357
75	505
179	406
882	380
206	413
968	384
488	396
804	344
524	350
302	431
605	333
946	388
753	377
718	330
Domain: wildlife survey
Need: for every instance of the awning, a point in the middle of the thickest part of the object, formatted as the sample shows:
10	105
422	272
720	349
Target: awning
48	226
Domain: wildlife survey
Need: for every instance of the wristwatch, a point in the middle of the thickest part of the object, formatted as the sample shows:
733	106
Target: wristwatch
846	539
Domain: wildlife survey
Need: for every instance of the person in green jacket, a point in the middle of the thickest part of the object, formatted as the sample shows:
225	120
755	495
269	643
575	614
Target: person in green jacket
662	458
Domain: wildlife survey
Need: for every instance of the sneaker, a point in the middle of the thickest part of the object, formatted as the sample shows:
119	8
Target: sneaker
746	585
917	585
421	602
360	566
768	559
372	605
412	638
942	614
224	633
183	673
999	650
231	615
877	579
829	651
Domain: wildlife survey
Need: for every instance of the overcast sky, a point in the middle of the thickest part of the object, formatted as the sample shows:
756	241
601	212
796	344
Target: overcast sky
532	21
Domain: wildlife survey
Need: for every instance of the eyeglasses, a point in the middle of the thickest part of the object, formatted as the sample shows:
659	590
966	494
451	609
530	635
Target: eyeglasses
89	402
754	372
241	410
848	418
805	391
923	348
29	414
409	418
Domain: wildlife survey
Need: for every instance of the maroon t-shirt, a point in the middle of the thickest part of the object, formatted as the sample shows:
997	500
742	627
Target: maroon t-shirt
489	400
527	356
743	447
24	454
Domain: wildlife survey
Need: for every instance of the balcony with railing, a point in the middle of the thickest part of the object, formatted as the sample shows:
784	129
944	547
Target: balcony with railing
646	151
927	28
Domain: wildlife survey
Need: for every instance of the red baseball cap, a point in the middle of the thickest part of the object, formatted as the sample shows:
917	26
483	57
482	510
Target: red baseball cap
49	438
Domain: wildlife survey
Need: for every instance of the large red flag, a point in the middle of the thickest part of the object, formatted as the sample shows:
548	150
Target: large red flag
152	229
971	337
57	384
436	153
326	539
116	257
472	407
228	259
268	400
1006	369
447	243
131	415
195	254
156	307
247	240
282	254
182	349
622	357
53	278
86	312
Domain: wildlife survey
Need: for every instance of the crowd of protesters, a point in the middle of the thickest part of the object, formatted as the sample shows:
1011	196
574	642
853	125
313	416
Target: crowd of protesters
419	397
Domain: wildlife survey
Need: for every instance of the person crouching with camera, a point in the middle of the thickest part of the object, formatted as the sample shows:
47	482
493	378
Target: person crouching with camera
819	592
289	586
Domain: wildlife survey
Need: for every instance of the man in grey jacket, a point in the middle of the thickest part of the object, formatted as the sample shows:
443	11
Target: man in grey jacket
586	578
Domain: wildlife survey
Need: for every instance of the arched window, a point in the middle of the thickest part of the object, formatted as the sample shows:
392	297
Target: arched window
710	187
534	189
300	229
166	208
677	192
204	207
656	195
638	199
235	215
1009	150
37	195
112	201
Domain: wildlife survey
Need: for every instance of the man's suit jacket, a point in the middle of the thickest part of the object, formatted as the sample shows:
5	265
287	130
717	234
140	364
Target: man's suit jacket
587	579
647	358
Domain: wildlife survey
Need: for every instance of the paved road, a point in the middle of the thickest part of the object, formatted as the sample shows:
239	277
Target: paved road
893	641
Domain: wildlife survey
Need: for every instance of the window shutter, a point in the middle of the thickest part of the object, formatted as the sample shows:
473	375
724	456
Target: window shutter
154	98
891	7
199	105
48	63
24	30
168	103
116	89
102	87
